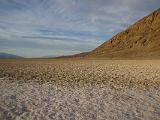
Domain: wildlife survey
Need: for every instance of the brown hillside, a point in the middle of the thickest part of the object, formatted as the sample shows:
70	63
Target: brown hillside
141	39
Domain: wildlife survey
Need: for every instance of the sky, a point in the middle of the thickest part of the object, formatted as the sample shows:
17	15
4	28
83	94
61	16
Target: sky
37	28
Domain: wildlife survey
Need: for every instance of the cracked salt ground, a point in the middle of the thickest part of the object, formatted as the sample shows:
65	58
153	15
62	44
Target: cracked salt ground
65	90
47	101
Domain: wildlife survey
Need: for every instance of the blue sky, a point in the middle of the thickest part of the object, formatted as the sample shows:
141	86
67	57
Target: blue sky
35	28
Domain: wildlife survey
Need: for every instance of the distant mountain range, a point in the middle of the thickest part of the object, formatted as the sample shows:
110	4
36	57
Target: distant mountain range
79	55
6	55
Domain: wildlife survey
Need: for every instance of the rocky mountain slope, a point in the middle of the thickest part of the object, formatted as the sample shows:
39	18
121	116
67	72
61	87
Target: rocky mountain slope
141	39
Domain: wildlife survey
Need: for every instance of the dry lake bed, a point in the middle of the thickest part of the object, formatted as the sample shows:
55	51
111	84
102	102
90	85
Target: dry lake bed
68	89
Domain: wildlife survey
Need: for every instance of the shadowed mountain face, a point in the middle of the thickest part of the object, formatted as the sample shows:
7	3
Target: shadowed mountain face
140	40
6	55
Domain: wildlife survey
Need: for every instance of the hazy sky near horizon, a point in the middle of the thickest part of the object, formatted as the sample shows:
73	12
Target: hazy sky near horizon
35	28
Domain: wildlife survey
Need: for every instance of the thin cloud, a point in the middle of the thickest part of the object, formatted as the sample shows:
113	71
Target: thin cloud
52	38
66	24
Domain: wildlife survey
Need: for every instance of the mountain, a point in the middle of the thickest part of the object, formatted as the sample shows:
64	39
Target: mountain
6	55
79	55
140	40
49	56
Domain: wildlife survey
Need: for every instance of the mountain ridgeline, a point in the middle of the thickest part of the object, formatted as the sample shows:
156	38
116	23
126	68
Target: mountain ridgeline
140	40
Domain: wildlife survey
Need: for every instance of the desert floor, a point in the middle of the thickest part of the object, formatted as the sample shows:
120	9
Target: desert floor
47	89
